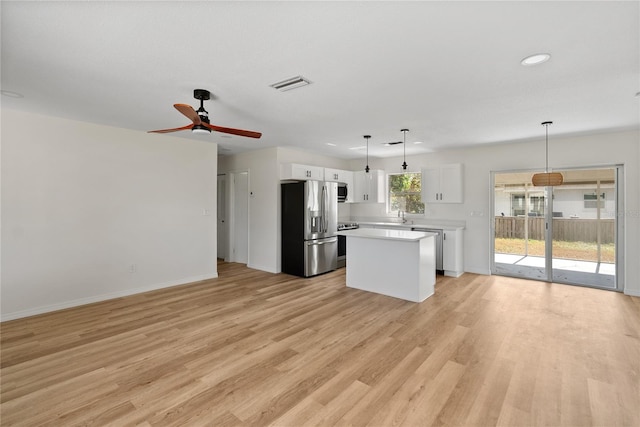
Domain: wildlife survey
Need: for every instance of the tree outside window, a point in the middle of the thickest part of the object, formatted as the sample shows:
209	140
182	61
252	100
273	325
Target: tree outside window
405	193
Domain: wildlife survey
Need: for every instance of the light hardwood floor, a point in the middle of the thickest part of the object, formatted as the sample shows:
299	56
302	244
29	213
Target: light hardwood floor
253	348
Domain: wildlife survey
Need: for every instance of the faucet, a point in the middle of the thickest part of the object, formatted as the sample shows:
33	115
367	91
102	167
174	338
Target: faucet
401	215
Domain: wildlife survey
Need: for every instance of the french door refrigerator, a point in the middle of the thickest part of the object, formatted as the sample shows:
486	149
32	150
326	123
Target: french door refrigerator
309	227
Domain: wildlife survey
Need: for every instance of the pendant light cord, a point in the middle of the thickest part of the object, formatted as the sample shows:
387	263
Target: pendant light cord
546	145
404	149
366	169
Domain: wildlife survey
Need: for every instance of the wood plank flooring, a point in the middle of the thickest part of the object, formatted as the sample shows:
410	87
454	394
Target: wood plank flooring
253	349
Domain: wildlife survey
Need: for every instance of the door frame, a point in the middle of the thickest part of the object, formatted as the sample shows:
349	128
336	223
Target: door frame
222	225
548	274
232	214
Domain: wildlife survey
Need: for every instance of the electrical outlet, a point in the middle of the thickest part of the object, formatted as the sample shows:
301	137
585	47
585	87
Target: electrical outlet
133	268
206	212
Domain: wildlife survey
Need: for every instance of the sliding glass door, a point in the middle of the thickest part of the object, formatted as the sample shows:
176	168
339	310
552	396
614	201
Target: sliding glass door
520	239
584	228
566	234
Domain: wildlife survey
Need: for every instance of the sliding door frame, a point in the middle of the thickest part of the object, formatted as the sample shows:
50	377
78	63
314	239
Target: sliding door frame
548	273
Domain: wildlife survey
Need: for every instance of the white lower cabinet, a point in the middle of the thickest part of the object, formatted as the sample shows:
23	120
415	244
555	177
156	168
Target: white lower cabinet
452	247
452	253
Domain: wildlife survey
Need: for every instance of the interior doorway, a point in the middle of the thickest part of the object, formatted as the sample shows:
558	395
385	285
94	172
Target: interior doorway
238	218
565	234
222	229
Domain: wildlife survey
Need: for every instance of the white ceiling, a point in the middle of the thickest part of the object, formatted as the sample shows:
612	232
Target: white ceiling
449	71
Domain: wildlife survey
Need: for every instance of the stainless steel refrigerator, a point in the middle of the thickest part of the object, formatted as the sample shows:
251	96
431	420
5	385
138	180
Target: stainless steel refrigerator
309	226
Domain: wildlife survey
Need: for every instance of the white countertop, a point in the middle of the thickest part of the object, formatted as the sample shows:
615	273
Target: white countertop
386	234
408	226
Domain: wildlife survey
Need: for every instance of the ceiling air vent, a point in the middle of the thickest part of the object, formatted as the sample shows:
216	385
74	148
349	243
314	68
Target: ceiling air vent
292	83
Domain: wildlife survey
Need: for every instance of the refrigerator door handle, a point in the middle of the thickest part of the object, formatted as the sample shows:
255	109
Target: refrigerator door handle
324	209
322	243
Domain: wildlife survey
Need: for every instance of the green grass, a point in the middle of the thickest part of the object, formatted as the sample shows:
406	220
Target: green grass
583	251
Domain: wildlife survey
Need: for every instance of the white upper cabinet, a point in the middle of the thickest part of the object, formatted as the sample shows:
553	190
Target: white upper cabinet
442	184
338	175
343	176
369	187
301	172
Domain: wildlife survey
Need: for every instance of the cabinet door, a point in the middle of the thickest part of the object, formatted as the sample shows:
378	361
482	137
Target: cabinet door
333	175
347	178
442	184
369	187
452	262
377	187
361	187
316	173
431	185
451	183
301	172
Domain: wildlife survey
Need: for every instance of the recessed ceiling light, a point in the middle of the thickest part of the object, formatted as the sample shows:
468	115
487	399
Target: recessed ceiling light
536	59
11	94
418	142
361	147
331	144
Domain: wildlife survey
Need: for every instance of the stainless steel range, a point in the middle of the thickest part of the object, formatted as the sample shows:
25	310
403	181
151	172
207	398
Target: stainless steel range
342	242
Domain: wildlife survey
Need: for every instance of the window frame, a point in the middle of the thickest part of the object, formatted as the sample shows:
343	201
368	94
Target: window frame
389	194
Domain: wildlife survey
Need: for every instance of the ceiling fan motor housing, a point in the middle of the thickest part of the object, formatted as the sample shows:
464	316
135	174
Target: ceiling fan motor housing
201	94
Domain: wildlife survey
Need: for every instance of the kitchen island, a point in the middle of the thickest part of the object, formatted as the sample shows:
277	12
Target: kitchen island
397	263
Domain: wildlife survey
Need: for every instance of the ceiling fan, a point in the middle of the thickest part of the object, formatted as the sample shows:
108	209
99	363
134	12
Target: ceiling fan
200	119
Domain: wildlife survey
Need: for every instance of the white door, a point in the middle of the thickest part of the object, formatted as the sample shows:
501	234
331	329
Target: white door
239	218
223	231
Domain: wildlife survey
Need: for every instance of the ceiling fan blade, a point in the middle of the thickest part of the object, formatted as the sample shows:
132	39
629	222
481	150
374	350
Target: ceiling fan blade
189	112
247	133
171	130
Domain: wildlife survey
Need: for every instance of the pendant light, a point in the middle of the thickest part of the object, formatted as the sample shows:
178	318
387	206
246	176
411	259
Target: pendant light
404	148
366	169
547	178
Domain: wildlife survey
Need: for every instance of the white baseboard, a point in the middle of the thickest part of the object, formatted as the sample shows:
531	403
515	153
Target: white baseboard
632	292
262	268
478	270
103	297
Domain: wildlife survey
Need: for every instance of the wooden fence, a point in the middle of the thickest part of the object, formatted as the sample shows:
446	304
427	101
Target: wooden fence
566	229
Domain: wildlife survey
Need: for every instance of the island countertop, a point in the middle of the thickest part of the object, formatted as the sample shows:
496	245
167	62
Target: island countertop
386	234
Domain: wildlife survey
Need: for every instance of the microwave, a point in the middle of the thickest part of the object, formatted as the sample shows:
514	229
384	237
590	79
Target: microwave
342	192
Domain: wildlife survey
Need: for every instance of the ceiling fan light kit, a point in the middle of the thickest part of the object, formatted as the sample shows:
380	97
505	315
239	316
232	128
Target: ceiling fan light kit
547	179
200	119
199	129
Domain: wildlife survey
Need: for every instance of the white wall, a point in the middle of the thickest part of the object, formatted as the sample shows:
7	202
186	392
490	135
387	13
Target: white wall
83	205
594	150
